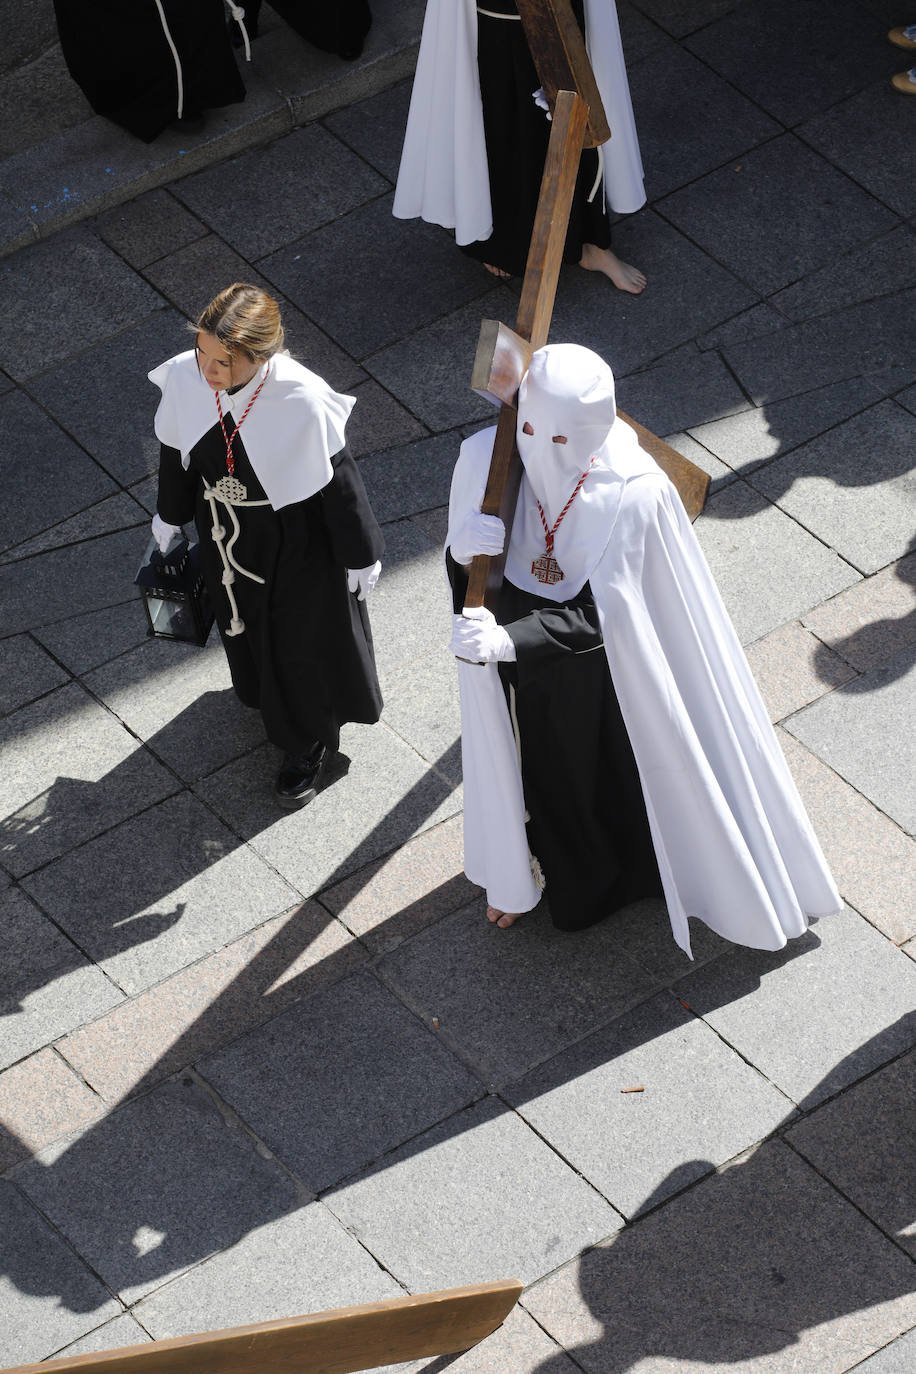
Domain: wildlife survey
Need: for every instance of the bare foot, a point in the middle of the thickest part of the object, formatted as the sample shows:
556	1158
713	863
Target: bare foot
497	271
504	919
624	277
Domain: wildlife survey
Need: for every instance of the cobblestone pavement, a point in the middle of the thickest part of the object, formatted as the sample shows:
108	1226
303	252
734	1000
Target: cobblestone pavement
256	1064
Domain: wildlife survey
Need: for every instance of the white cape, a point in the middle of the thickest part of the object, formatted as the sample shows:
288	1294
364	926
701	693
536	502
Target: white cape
291	433
443	174
734	844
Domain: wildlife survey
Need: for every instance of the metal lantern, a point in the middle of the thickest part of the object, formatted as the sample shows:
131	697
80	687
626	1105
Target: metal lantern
174	595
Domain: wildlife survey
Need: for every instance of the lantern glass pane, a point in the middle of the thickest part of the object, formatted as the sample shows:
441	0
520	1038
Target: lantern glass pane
173	618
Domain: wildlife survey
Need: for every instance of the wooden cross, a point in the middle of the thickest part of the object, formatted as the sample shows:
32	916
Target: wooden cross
503	354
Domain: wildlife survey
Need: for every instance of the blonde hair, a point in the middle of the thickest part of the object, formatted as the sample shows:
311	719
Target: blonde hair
245	320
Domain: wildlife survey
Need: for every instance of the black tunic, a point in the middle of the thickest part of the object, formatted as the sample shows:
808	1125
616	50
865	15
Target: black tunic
119	56
339	27
588	825
517	133
305	658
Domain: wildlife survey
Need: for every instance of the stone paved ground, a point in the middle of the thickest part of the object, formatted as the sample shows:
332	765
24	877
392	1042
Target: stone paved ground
256	1064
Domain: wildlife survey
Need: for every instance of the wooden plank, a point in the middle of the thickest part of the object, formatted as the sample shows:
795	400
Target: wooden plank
692	482
338	1342
558	49
539	289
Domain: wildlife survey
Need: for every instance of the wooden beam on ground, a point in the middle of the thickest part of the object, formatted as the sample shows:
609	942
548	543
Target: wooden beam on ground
338	1342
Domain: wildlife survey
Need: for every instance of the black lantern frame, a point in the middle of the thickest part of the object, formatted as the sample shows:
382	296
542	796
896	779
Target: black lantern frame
174	596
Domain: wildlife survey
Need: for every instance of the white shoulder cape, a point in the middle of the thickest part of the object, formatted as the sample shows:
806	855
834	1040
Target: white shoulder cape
290	434
734	844
443	174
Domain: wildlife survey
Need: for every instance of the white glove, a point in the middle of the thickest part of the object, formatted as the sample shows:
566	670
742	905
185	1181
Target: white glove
476	636
478	534
362	580
163	533
540	100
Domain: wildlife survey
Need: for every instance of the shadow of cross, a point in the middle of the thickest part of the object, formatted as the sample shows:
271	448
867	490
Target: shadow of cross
578	121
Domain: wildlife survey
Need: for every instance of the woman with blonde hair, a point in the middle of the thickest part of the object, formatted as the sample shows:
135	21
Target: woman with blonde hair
289	543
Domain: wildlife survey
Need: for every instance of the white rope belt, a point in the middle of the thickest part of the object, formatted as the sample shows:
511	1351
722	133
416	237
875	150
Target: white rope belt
230	566
495	14
177	59
238	14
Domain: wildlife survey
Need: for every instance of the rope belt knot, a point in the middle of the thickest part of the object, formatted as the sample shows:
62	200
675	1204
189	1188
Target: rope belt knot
230	566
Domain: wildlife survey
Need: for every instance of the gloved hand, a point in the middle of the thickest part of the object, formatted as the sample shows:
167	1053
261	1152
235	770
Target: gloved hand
362	580
540	100
476	636
163	533
478	534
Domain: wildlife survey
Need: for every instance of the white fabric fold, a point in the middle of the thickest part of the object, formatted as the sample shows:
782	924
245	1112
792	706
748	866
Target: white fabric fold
290	434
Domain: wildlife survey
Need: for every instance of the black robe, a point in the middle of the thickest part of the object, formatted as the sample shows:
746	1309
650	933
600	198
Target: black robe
339	27
305	658
517	133
588	826
119	56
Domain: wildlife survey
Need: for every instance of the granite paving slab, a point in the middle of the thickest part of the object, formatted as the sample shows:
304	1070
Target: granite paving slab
104	399
70	771
857	731
48	1296
148	227
379	422
430	371
46	476
434	524
146	492
864	1143
776	213
869	135
674	396
394	897
519	1344
180	701
801	64
768	569
640	36
354	1099
859	341
376	796
681	17
507	1005
116	512
411	607
49	986
411	478
85	641
854	488
423	709
27	116
814	1289
65	295
690	448
211	1002
643	932
399	276
793	668
93	165
191	276
374	128
688	294
896	1358
749	324
112	1336
478	1197
879	268
26	672
291	186
41	1099
907	398
873	620
299	1263
32	35
715	121
755	436
816	1016
155	893
872	860
698	1105
181	1181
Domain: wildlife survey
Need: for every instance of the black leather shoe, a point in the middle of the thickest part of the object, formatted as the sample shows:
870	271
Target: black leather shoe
297	780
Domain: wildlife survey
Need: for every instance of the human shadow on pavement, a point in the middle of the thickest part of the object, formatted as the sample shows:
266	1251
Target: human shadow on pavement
752	1261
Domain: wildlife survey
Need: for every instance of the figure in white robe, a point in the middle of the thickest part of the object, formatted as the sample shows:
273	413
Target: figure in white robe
733	843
